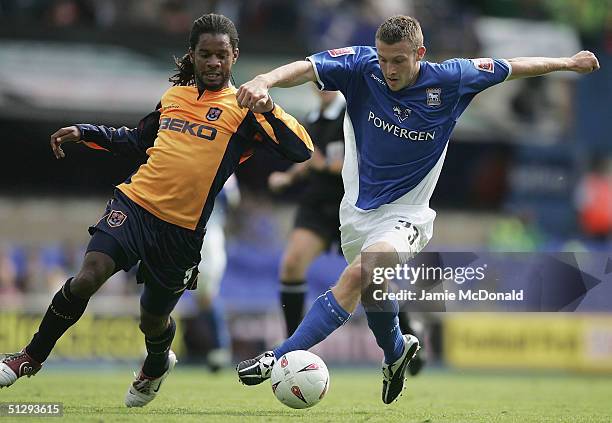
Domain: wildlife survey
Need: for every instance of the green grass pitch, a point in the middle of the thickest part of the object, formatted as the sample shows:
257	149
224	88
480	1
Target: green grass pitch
190	394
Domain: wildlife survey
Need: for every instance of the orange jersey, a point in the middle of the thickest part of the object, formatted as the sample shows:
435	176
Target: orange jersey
201	139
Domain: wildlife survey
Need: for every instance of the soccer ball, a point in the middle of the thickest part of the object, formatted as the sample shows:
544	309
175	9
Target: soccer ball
299	379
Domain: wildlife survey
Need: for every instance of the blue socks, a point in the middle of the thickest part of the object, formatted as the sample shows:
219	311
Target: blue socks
385	326
324	317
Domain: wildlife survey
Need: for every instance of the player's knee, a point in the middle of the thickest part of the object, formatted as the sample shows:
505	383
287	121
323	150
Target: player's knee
85	284
367	269
153	326
90	278
351	278
292	267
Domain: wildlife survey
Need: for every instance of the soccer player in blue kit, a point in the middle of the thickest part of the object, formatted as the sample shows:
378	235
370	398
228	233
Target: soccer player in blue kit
400	114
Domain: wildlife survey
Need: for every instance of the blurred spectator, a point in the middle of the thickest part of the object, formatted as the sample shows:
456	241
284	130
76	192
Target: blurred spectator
33	277
175	17
594	201
8	277
515	234
43	269
269	16
105	13
524	9
66	13
592	19
352	22
448	28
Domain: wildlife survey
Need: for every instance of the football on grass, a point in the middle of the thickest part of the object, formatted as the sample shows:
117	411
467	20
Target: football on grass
299	379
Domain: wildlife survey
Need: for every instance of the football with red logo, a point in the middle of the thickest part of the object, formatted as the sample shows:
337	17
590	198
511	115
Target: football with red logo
299	379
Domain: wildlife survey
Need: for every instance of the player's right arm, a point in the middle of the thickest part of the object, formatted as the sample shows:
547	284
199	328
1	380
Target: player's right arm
331	70
255	92
132	142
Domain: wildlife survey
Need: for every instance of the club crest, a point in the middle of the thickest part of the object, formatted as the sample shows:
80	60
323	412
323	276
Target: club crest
213	113
434	96
401	113
116	218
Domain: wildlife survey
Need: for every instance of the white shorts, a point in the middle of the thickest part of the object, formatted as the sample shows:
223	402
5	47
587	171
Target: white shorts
407	228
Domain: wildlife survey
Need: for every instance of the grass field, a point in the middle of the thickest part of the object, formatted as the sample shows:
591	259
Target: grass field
192	395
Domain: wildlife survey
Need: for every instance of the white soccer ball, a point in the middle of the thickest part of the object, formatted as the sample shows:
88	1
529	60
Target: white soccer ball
299	379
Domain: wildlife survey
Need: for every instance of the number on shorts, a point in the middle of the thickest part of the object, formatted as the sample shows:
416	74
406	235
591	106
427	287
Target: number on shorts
413	232
188	275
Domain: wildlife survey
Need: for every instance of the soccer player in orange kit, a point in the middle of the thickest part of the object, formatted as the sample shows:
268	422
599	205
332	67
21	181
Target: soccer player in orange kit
190	145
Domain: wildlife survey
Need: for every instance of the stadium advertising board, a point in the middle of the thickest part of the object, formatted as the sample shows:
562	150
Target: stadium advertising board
537	341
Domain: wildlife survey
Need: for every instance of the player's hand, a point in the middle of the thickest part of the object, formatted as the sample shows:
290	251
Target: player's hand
277	181
67	134
583	62
263	106
254	95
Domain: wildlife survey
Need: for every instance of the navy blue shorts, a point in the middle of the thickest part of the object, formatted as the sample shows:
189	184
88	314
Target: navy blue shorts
168	254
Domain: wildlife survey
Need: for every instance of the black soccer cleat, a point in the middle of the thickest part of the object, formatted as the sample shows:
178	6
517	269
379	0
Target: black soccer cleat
256	370
394	373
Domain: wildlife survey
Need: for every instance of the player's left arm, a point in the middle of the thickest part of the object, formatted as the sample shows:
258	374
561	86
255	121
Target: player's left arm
283	133
524	67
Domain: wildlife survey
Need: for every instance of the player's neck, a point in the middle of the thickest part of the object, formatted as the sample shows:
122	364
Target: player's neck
203	87
415	75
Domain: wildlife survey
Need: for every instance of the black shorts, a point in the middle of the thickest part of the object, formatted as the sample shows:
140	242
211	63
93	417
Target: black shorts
319	212
168	254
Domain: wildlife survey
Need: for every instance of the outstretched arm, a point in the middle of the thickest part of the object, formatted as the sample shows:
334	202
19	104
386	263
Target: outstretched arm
524	67
254	93
123	141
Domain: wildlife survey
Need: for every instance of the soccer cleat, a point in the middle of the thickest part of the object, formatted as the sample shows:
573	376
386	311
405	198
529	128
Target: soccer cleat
144	389
256	370
13	366
394	373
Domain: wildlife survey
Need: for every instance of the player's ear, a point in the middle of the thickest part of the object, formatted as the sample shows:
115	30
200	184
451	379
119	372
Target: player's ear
190	52
421	52
236	54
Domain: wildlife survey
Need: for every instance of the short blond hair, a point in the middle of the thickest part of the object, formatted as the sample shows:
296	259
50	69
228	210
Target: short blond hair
399	28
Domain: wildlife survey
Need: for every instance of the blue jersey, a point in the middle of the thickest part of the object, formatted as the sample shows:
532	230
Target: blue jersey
395	142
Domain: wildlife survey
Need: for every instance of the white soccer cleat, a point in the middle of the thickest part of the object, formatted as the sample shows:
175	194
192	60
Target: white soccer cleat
394	373
144	389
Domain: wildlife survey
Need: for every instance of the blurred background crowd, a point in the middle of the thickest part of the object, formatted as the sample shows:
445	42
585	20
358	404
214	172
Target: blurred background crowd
529	167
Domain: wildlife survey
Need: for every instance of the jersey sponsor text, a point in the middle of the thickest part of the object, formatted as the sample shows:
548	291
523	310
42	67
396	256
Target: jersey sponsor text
399	132
197	130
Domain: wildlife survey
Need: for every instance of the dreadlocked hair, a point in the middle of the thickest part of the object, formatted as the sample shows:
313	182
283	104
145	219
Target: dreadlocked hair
206	24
